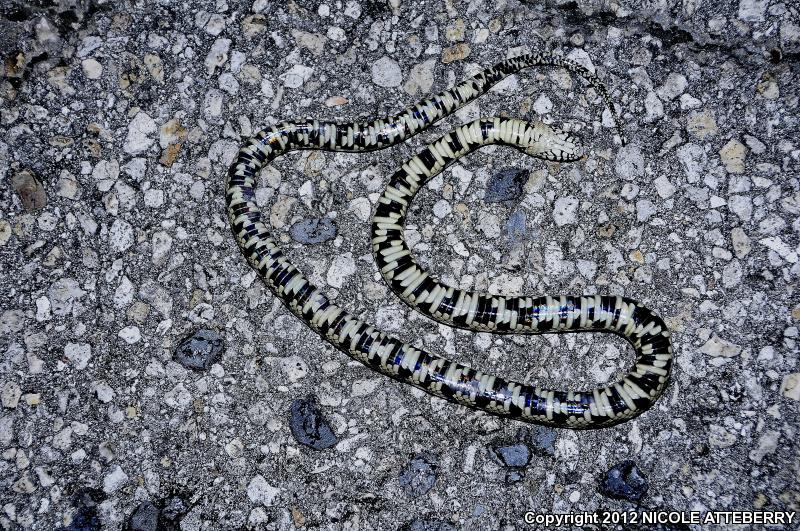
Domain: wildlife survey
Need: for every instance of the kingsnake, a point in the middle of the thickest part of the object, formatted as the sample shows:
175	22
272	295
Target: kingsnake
600	407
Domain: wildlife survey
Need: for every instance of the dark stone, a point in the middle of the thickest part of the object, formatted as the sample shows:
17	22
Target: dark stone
419	476
200	350
506	185
421	524
541	438
85	517
171	513
515	227
144	518
308	425
624	481
512	455
314	230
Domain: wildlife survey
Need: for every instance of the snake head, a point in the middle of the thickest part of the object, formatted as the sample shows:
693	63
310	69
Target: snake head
553	144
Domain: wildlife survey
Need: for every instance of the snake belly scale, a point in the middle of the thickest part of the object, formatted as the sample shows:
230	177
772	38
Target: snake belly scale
642	328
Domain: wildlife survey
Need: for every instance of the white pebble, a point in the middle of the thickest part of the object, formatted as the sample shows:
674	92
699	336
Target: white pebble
542	105
644	209
342	267
43	309
565	211
259	491
296	76
78	354
386	72
92	68
718	347
217	55
742	206
629	163
178	397
673	86
130	334
104	392
664	188
294	367
10	395
140	132
442	208
114	480
120	236
365	387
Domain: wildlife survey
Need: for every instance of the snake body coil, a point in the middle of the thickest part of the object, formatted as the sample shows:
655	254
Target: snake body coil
600	407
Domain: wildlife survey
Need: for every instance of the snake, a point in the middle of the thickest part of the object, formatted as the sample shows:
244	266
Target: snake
643	329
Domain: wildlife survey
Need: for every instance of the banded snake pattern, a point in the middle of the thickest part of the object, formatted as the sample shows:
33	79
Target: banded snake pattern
642	328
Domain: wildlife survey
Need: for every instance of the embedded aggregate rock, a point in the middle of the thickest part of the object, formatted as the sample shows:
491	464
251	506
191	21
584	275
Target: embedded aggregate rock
506	185
173	509
419	476
516	455
144	518
200	350
118	121
85	515
540	439
516	229
308	425
624	481
313	231
30	190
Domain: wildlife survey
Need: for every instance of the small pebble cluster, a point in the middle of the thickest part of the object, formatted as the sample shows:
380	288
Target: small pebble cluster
148	380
